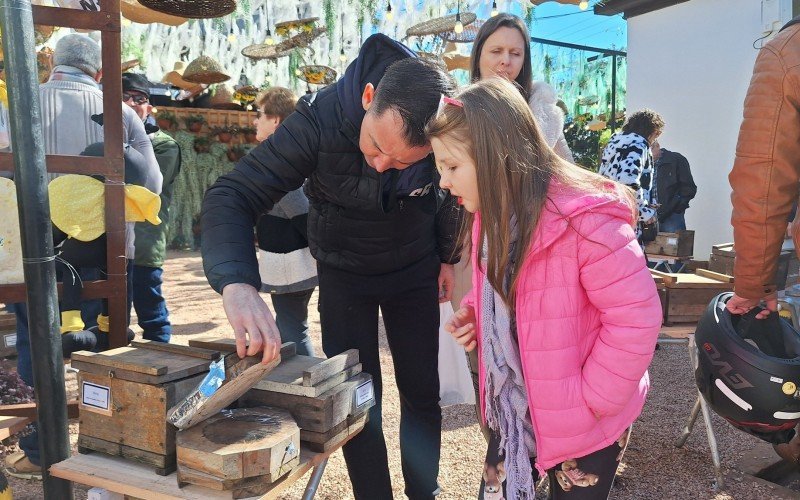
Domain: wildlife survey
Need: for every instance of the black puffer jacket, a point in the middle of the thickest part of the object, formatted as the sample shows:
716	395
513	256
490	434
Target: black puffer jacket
359	220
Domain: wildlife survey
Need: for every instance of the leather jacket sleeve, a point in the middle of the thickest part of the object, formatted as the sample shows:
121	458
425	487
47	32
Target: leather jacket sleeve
235	201
765	173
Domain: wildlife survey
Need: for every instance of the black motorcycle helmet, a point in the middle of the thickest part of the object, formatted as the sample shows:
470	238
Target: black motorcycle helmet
749	370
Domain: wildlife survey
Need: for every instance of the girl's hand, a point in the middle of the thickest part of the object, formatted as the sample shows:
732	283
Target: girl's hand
462	327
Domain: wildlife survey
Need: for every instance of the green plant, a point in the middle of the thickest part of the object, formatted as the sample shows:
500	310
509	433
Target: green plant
249	134
194	122
166	120
225	133
202	144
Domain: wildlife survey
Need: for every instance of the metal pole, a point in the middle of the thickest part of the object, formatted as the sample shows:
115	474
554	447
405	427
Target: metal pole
613	93
30	176
313	481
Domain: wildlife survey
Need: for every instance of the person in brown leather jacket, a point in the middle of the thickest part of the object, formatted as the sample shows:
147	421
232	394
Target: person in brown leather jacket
765	179
766	171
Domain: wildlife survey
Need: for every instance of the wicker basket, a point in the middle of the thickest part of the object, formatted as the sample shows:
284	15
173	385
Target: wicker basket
466	36
194	9
263	51
205	70
439	25
138	13
300	40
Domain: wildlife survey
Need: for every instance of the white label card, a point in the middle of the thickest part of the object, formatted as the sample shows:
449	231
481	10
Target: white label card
364	393
95	397
10	339
672	241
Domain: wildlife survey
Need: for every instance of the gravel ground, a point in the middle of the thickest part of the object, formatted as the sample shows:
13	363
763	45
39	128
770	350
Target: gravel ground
652	467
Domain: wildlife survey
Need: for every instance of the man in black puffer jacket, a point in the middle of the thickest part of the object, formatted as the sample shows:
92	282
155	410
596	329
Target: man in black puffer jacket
382	233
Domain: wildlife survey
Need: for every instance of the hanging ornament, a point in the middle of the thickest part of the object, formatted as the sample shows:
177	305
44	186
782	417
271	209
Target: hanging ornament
389	14
583	5
459	27
494	9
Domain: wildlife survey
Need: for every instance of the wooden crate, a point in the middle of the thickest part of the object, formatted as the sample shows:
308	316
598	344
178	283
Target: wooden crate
680	244
213	117
125	394
723	256
686	296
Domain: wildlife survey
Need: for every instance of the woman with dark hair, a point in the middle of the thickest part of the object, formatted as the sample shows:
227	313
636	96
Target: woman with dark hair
502	48
628	160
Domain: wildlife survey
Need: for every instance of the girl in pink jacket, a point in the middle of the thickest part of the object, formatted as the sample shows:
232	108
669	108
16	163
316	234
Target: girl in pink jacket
563	310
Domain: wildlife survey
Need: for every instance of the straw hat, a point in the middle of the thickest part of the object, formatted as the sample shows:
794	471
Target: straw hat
205	70
196	9
138	13
223	98
175	77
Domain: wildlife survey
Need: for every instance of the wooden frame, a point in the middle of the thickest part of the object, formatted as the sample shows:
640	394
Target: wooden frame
111	166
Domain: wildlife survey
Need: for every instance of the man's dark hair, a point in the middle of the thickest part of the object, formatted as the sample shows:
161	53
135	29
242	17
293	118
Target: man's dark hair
412	87
644	123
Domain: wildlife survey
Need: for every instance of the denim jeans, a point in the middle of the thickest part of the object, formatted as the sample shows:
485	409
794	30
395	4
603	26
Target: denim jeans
149	303
291	315
673	223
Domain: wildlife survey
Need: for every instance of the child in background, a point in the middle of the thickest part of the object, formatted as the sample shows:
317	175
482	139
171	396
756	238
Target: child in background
563	309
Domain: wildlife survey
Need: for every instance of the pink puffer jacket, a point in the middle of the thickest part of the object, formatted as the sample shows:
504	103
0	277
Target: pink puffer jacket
588	316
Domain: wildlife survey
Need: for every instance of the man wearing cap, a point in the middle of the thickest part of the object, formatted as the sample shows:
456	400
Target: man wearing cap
151	241
68	100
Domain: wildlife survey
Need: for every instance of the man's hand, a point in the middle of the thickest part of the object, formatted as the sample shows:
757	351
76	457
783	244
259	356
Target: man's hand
462	327
741	305
251	318
447	280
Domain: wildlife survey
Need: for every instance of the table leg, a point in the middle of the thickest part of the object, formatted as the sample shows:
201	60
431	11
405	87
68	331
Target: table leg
313	481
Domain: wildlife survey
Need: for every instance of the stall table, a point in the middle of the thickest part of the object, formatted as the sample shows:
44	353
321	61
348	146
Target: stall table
668	263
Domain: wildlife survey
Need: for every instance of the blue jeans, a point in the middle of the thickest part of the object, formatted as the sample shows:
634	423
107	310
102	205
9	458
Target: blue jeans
291	315
149	303
673	223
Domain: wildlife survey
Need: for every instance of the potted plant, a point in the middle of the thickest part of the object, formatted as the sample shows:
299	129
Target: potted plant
236	152
202	144
249	134
166	120
224	134
194	122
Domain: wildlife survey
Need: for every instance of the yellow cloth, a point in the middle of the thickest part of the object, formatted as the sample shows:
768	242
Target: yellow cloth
71	321
77	206
102	323
3	93
10	241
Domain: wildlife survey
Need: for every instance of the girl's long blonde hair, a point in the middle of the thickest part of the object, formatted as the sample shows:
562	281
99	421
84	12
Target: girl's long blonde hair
514	167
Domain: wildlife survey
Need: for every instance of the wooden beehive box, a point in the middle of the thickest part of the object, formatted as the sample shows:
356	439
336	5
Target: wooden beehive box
8	333
125	394
679	244
327	397
239	447
686	296
723	256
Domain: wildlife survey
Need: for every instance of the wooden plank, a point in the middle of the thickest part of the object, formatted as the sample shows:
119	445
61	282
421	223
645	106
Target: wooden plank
714	276
298	389
239	488
194	352
138	365
12	425
240	377
228	345
28	410
158	462
330	367
112	359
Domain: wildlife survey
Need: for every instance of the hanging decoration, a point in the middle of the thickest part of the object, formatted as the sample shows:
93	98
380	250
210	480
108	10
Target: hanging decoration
138	13
195	9
317	74
205	70
440	25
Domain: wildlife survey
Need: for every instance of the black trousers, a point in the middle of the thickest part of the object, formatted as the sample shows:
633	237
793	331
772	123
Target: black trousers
408	300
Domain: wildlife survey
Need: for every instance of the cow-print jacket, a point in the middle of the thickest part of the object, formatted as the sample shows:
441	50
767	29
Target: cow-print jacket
627	159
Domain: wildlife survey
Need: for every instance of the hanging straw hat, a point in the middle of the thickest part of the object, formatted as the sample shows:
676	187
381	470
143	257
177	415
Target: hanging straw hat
138	13
260	51
467	36
439	25
223	98
175	77
205	70
195	9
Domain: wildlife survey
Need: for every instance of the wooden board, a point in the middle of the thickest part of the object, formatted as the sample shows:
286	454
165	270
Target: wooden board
228	345
176	349
240	443
238	488
326	441
162	465
12	425
319	414
144	364
685	280
714	276
679	244
28	410
137	412
329	367
290	378
687	305
240	375
139	481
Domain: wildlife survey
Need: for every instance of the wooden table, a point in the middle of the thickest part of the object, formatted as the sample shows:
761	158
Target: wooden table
140	481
